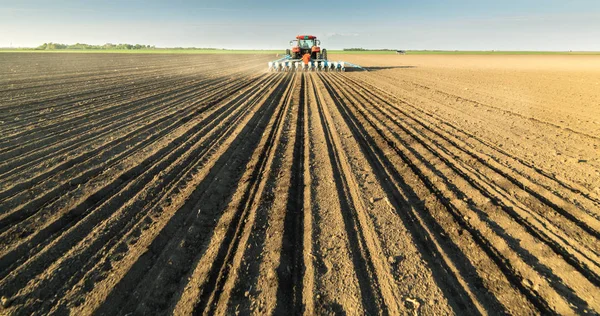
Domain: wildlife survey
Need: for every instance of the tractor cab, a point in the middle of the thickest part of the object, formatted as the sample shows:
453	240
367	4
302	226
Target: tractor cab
304	44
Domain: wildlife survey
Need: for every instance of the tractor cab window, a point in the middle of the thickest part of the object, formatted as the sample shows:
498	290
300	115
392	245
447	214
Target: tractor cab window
306	43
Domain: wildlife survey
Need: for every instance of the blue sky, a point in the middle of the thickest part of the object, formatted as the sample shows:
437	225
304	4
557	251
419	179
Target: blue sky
267	24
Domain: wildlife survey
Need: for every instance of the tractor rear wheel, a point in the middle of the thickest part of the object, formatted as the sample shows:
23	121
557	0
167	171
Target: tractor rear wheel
287	52
324	53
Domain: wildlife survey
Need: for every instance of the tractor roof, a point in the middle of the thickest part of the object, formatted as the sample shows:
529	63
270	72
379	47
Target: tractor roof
300	37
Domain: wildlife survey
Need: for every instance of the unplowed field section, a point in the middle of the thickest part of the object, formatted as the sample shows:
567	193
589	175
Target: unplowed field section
200	184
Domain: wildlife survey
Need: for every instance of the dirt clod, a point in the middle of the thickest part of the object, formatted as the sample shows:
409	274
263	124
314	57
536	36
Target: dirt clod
5	301
391	259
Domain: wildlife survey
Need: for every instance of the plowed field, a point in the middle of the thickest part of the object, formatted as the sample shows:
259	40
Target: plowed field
200	184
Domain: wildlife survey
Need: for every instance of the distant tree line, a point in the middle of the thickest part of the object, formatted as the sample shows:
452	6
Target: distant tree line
360	49
52	46
193	48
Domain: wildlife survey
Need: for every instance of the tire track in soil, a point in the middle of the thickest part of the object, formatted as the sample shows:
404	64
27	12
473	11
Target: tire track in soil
308	280
90	220
330	283
392	243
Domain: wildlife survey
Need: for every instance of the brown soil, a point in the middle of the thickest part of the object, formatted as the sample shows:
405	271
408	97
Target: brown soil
199	184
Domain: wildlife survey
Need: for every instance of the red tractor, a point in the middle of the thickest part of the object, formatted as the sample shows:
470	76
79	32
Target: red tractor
306	44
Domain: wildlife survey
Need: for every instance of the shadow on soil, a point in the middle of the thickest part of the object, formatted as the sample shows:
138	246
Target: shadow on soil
386	67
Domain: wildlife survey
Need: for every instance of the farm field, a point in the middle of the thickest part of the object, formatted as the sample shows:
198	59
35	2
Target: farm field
201	184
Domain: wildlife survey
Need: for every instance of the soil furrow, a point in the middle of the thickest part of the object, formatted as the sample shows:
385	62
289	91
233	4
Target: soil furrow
99	118
63	130
225	272
187	184
377	261
414	211
54	227
544	230
145	220
291	269
175	180
146	170
190	208
487	244
86	94
500	156
188	112
495	157
74	153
